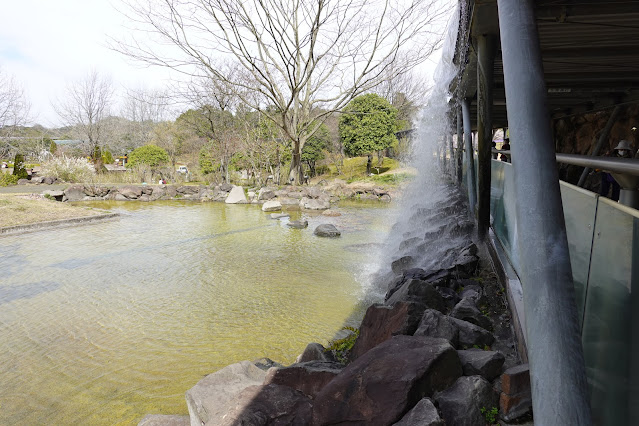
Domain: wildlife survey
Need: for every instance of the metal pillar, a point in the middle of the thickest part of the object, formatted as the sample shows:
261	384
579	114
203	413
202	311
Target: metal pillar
458	153
486	49
470	156
451	156
603	137
555	354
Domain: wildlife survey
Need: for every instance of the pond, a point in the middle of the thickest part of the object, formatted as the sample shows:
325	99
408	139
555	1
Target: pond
104	323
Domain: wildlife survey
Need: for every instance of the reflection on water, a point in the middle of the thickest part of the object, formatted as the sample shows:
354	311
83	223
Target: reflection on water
104	323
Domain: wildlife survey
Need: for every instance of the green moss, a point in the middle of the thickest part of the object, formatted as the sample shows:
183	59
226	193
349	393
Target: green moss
341	348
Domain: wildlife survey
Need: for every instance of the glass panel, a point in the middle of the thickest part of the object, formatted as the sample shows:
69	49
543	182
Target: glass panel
580	207
502	208
606	334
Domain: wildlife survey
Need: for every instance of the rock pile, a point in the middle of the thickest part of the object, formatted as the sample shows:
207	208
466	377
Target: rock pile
433	353
271	198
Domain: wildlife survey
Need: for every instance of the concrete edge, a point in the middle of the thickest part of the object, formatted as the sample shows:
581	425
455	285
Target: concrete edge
61	223
514	291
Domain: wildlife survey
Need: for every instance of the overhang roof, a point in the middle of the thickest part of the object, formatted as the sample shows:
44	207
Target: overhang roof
590	54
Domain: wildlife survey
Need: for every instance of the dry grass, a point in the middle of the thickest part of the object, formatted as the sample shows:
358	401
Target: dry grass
27	209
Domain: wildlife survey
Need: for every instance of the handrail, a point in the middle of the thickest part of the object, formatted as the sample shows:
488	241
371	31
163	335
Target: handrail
628	166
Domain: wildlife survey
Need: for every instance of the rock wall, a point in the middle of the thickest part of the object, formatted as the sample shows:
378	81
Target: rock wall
306	197
579	135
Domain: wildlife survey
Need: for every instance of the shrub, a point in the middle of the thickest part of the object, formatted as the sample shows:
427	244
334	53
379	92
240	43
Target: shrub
341	348
107	158
150	155
18	167
7	179
68	169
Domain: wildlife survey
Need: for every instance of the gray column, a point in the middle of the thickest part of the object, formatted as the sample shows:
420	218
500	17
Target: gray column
558	376
486	49
470	156
451	154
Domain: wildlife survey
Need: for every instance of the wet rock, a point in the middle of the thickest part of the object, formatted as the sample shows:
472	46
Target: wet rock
516	398
418	291
271	206
307	377
74	193
327	230
466	265
476	362
314	352
435	324
298	224
450	296
466	310
373	390
144	197
268	405
209	400
461	404
423	414
409	243
381	322
472	292
164	420
236	196
472	335
403	263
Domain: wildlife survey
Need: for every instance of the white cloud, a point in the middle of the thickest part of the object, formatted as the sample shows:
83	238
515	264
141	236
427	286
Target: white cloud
47	45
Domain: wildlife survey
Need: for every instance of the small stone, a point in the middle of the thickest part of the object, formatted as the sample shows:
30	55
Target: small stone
327	230
298	224
331	213
279	215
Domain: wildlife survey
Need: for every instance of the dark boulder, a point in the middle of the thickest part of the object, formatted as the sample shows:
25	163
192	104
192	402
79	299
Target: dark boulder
268	405
381	385
418	291
327	230
462	403
471	335
435	324
307	377
403	263
381	322
314	352
422	414
476	362
466	310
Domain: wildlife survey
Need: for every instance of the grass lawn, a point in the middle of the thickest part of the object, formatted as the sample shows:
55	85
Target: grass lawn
23	209
390	172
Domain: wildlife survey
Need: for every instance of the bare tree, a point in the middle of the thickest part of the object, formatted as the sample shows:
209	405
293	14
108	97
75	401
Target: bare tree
296	61
144	109
86	105
14	111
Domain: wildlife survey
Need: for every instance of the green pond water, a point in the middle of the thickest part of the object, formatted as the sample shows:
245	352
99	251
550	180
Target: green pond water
101	324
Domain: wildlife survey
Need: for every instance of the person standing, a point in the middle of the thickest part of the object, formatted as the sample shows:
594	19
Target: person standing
622	150
505	147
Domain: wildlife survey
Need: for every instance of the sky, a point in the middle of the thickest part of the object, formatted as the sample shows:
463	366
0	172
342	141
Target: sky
47	45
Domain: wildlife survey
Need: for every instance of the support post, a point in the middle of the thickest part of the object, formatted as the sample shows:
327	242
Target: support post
470	156
603	137
460	150
451	154
555	354
486	49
